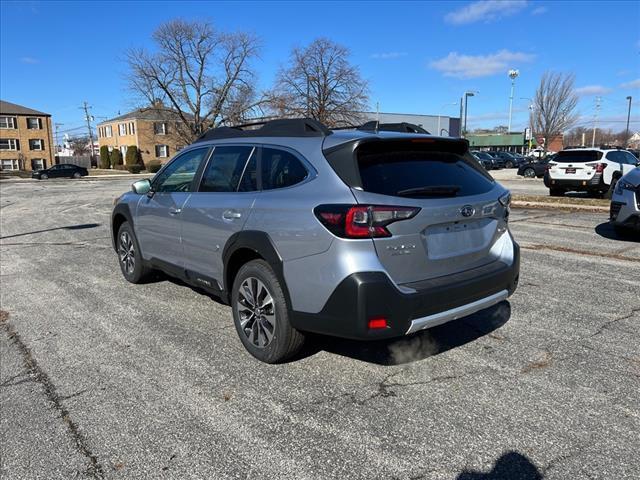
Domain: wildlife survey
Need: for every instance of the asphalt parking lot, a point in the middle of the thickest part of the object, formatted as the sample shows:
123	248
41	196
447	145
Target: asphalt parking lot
103	379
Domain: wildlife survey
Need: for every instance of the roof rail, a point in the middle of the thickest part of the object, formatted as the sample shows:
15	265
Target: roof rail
285	127
404	127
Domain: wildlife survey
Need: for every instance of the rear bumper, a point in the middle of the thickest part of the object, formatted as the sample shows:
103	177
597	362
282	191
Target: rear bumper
594	183
365	295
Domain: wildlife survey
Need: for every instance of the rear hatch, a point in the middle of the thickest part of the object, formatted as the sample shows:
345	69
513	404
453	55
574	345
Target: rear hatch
459	216
575	165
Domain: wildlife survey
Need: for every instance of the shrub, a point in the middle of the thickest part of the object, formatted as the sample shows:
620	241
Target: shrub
137	168
153	166
116	158
133	156
105	161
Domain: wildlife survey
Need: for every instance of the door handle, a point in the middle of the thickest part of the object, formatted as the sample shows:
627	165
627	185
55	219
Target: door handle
174	211
231	215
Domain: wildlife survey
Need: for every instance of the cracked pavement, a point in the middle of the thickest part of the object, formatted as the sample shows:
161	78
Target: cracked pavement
102	379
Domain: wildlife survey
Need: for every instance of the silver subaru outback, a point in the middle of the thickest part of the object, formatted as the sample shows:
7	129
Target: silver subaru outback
363	234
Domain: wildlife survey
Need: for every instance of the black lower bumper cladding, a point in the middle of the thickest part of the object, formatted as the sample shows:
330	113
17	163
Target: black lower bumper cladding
366	295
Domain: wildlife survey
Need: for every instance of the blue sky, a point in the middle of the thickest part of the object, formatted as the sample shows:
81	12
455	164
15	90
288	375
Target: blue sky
418	57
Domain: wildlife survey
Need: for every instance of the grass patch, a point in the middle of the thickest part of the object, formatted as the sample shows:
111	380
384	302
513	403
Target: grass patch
591	202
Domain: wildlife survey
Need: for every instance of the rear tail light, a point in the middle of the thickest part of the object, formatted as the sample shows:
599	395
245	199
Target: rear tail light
598	166
361	221
377	323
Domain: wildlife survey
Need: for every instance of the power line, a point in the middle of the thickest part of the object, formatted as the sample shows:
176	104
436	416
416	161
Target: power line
595	122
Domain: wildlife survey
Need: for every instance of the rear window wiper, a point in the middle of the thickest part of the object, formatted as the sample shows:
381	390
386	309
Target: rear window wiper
431	191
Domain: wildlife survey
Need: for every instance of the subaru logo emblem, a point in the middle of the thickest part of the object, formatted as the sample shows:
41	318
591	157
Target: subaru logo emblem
467	211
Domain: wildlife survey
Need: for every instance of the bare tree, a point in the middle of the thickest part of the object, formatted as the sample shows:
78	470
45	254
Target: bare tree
79	145
321	83
554	105
201	73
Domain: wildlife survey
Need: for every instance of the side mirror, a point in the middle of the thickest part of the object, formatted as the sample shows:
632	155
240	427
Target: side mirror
141	187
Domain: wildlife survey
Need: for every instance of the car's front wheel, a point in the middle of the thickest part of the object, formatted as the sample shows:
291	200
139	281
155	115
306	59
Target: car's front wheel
508	164
261	314
529	173
132	265
76	175
44	176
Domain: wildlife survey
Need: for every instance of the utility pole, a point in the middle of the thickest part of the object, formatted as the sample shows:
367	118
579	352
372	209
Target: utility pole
462	132
595	122
626	137
86	108
56	125
513	74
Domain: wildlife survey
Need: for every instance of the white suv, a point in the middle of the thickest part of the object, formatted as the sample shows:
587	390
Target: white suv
592	170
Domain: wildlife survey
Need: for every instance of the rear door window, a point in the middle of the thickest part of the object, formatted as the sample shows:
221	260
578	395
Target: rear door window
227	168
411	171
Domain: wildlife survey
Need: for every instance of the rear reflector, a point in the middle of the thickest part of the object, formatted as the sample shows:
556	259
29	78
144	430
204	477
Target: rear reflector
361	221
377	323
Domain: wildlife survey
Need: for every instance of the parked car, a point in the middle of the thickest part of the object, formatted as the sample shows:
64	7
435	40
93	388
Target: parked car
510	160
483	159
636	153
592	170
624	213
62	170
535	168
540	153
498	162
304	229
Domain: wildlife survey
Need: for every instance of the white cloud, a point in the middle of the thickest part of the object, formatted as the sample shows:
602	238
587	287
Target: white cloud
632	84
592	90
388	55
29	60
473	66
539	10
485	11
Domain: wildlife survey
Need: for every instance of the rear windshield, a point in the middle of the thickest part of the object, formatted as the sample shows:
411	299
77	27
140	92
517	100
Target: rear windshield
419	173
578	156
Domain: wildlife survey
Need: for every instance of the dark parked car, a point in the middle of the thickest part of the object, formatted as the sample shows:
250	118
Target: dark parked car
535	168
483	159
498	161
65	170
510	160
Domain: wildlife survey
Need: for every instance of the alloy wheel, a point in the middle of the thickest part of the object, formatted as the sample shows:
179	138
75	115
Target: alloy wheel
529	173
256	311
127	252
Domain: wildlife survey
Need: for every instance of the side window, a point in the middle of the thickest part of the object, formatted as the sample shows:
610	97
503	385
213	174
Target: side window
615	157
227	167
179	174
281	169
631	159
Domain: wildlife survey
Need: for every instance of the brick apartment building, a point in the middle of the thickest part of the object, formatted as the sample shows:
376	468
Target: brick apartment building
153	130
26	140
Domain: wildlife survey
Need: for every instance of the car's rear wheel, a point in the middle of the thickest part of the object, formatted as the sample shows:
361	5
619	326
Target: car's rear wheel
261	314
609	193
44	176
529	173
132	265
556	192
508	164
76	175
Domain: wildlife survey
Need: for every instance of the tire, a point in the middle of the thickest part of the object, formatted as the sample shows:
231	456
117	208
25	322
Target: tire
132	266
272	339
76	175
529	173
556	192
609	193
508	164
44	176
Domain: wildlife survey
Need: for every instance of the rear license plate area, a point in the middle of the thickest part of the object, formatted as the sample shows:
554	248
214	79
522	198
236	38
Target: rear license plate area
570	170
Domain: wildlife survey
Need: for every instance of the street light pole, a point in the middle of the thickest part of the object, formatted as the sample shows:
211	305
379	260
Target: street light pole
513	74
530	122
466	96
626	137
462	132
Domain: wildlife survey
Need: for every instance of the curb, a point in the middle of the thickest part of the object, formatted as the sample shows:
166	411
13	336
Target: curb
559	206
